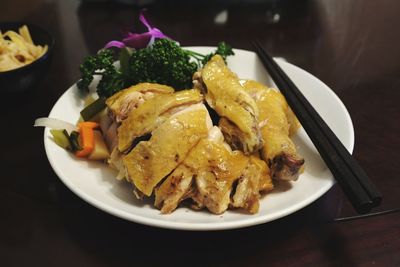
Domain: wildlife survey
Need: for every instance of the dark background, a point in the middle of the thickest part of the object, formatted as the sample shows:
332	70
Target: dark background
351	45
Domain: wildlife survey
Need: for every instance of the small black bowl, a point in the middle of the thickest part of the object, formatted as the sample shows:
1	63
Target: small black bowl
26	77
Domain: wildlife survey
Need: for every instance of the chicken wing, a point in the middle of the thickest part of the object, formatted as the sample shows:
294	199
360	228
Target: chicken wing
276	121
227	97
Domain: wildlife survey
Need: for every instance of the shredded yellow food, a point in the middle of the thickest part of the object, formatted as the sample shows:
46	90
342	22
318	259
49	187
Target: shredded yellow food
18	49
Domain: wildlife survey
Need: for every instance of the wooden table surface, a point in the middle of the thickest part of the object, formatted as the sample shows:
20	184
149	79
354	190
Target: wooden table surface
353	46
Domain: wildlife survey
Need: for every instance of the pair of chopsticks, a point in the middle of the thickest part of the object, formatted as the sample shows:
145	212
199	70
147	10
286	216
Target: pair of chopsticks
353	180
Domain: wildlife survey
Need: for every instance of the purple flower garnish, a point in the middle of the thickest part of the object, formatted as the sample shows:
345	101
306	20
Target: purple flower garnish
138	40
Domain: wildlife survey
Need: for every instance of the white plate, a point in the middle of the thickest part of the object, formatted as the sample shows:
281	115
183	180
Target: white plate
95	183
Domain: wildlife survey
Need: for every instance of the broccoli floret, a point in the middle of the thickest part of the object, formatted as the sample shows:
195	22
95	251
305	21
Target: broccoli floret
112	79
111	82
223	49
164	62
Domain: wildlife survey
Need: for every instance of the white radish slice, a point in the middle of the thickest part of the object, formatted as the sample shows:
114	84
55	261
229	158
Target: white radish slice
54	124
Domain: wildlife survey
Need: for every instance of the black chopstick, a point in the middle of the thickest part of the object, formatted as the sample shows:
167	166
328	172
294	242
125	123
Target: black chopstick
353	180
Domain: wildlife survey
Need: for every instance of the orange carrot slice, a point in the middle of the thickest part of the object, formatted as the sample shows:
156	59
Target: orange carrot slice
87	137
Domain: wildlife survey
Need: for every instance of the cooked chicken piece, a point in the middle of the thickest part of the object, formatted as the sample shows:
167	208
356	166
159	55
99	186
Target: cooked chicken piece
276	119
265	183
178	186
121	103
208	175
119	106
255	178
178	154
174	189
227	97
144	119
111	136
216	168
213	193
257	91
233	135
150	161
115	162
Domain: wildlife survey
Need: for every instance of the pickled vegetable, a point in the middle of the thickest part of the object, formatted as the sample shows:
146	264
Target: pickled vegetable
61	138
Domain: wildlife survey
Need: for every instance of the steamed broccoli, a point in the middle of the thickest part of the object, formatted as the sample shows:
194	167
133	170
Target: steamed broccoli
164	62
111	80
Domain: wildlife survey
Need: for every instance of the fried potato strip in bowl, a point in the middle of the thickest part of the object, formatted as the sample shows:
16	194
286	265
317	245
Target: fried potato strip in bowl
18	49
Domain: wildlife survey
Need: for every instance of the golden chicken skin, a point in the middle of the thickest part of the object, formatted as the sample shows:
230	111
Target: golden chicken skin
237	109
277	123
